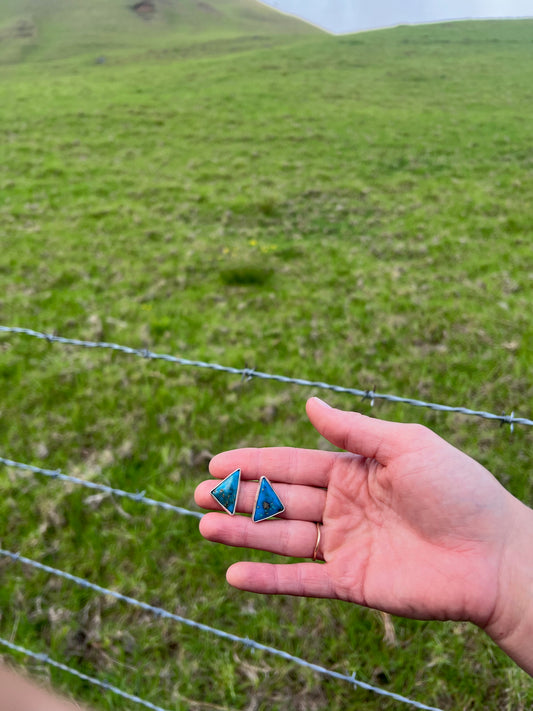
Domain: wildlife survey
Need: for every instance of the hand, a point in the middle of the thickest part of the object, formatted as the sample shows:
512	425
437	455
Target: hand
409	524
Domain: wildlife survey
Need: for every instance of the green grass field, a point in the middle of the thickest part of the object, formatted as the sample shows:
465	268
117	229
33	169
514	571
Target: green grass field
234	186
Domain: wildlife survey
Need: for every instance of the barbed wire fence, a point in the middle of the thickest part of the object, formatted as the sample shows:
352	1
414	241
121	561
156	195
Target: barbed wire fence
249	373
157	611
141	498
252	644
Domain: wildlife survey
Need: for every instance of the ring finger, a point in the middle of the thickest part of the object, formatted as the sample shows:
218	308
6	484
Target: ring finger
296	539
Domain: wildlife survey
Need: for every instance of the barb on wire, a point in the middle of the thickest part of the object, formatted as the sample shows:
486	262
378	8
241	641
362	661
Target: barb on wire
45	659
134	496
249	373
160	612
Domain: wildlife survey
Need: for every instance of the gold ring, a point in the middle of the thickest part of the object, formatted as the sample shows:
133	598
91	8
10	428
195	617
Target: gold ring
317	540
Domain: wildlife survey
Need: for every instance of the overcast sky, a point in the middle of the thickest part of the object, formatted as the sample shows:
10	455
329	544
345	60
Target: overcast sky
353	15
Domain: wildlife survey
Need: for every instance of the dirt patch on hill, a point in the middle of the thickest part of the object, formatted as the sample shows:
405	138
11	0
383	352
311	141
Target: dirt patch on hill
22	28
145	9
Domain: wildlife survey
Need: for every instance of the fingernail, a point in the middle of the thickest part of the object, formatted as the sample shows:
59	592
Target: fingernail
324	404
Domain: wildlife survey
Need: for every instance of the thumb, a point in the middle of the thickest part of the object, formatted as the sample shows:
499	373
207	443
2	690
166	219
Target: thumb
359	434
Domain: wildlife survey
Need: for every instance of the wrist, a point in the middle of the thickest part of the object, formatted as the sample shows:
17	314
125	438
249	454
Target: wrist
511	624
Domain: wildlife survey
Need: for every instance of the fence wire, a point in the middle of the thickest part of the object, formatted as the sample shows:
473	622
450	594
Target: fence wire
249	373
45	659
139	496
252	644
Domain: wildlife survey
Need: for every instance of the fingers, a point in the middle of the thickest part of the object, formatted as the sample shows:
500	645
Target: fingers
286	464
369	437
296	539
307	579
304	503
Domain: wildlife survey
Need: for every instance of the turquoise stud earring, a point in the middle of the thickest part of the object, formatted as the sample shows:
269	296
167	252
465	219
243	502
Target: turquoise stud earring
267	502
227	491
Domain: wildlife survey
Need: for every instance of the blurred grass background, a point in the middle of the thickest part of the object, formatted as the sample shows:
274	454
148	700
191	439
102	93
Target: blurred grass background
231	185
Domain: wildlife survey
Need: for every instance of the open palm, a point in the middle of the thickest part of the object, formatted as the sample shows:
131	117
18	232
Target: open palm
409	524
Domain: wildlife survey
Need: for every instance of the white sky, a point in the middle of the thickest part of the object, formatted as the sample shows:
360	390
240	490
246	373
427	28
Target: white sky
353	15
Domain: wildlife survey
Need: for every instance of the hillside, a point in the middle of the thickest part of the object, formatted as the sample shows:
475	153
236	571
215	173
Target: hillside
55	29
353	210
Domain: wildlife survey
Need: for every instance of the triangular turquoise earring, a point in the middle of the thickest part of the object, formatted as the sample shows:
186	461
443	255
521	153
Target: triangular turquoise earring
267	502
227	491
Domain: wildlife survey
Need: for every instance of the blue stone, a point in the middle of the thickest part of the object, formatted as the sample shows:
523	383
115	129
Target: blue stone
267	503
227	491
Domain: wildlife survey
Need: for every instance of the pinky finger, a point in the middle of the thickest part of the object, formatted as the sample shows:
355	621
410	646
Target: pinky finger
304	579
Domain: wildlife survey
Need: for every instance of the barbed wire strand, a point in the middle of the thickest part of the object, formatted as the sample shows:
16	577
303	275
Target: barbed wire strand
249	373
45	659
162	613
139	497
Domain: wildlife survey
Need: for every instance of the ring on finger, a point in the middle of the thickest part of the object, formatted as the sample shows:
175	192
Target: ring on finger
315	552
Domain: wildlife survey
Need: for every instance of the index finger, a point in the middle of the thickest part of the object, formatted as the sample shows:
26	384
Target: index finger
284	464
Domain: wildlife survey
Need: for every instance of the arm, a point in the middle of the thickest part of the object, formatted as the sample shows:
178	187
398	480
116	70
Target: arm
409	525
511	626
17	694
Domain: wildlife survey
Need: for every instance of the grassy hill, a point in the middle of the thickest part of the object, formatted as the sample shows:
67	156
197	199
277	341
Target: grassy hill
351	209
57	29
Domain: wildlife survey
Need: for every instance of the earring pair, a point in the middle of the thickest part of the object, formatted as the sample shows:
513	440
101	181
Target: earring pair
267	502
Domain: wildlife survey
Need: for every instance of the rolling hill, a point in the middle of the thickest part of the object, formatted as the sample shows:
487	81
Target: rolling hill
32	30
